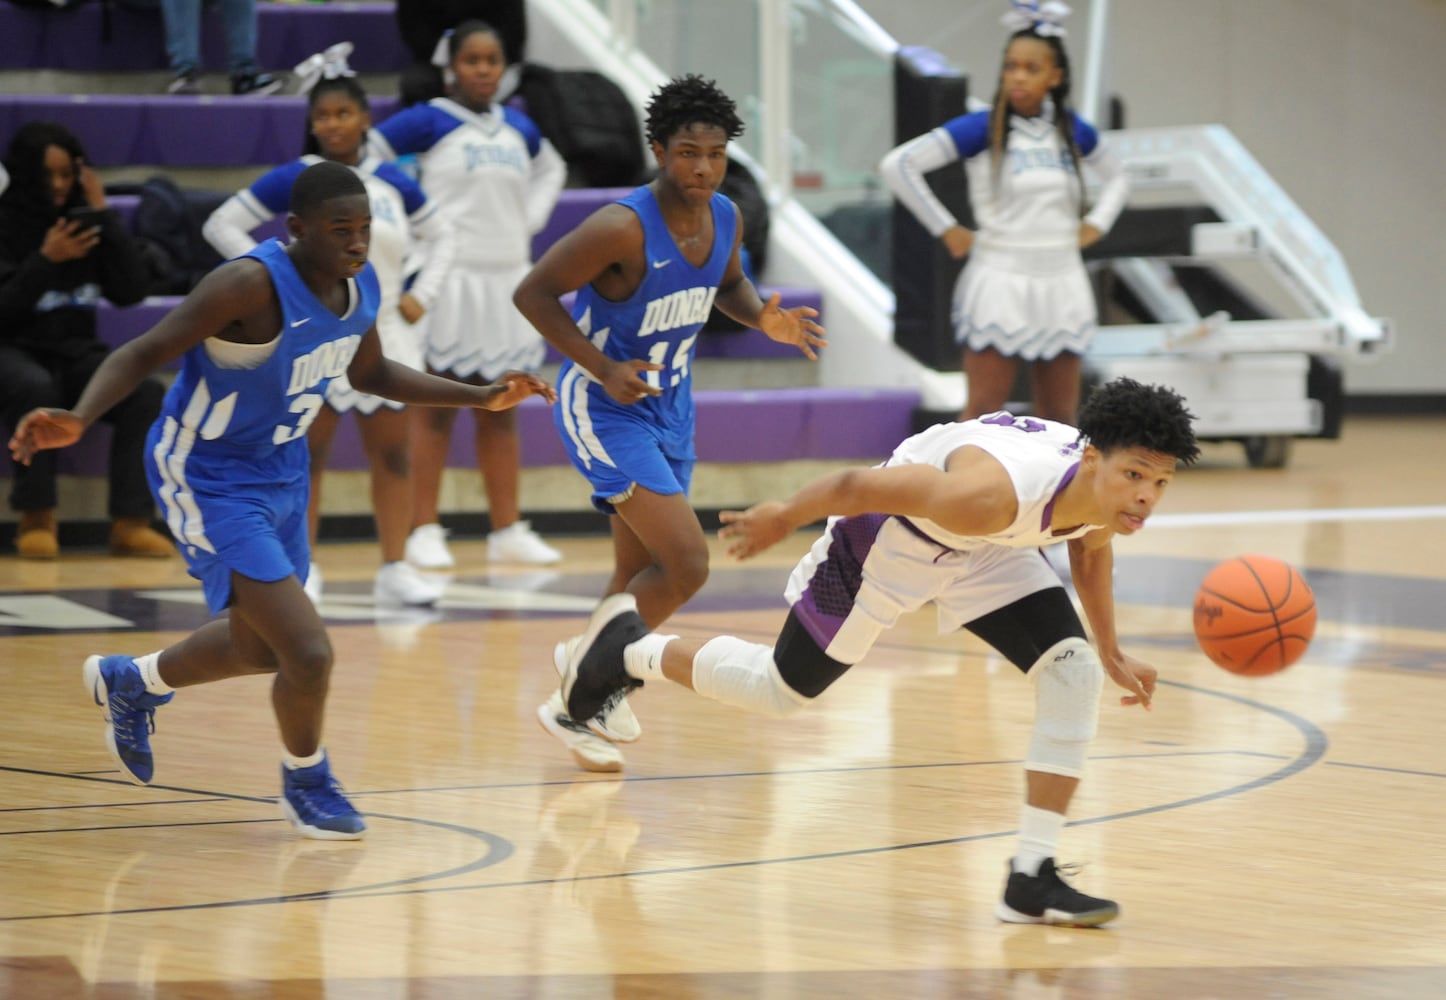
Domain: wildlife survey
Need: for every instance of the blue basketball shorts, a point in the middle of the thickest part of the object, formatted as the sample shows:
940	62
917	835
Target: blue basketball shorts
617	453
259	532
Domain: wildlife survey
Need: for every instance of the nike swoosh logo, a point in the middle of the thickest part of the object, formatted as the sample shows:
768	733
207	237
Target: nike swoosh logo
661	263
300	321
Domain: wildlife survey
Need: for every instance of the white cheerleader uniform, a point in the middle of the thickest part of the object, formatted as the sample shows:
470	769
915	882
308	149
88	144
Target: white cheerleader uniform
1024	291
403	222
497	179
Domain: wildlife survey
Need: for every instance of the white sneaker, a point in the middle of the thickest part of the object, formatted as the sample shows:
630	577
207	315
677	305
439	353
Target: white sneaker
618	719
427	548
518	543
312	584
592	753
398	583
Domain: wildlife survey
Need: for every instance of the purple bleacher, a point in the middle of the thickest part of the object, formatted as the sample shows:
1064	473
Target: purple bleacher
127	129
116	325
734	426
71	39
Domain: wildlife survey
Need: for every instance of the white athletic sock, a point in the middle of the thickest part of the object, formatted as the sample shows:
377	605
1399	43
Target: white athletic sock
150	665
643	659
297	763
1038	837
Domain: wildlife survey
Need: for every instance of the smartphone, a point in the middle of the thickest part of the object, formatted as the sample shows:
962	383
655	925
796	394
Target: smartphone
89	218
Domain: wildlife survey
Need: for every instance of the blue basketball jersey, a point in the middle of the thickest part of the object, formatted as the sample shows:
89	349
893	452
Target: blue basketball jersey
231	428
659	322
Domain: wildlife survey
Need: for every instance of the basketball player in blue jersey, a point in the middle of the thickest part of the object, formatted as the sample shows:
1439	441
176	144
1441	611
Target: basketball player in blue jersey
955	518
404	224
260	338
647	270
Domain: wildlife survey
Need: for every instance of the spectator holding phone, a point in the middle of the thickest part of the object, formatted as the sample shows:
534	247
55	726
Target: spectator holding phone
61	250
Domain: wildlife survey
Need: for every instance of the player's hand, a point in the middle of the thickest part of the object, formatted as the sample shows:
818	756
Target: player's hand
41	429
1135	676
749	532
511	388
68	240
958	241
624	382
792	326
1088	235
410	308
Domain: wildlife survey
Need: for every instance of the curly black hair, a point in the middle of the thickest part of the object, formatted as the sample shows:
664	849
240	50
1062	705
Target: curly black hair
690	100
1124	413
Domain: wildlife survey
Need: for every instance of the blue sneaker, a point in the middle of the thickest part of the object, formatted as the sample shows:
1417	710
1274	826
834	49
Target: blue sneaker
130	712
313	800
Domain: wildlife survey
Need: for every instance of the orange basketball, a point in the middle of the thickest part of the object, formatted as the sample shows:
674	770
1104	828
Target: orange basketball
1254	615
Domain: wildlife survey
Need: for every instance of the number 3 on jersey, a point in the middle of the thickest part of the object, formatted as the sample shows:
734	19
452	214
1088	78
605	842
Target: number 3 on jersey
308	405
677	369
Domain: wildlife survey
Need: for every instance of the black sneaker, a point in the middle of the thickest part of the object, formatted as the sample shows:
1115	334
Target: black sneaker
595	670
256	84
1047	899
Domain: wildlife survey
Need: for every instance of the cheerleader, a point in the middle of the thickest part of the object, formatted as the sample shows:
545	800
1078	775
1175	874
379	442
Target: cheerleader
491	171
1024	294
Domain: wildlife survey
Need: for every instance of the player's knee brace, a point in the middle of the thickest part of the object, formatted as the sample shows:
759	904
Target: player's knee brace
743	674
1067	680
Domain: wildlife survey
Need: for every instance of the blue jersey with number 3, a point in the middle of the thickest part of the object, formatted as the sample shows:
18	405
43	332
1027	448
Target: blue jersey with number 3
659	322
246	426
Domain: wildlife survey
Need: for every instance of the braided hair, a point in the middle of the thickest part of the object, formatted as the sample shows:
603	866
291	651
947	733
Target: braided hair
1064	114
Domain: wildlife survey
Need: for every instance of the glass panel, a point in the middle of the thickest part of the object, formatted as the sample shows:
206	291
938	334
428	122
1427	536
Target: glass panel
715	40
843	123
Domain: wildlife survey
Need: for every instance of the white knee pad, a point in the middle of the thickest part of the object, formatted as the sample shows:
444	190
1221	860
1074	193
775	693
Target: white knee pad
1067	679
741	673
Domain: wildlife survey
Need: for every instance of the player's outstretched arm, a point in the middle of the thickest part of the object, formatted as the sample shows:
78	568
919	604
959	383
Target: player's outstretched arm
738	299
372	372
1092	567
964	504
221	299
511	388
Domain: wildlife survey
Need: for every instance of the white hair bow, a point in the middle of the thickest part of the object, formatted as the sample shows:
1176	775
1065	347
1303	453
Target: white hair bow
328	64
442	53
1041	18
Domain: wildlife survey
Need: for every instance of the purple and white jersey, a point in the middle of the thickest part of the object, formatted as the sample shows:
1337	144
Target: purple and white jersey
1041	457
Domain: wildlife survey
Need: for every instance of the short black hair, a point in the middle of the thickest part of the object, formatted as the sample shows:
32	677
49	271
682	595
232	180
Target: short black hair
1124	413
690	100
322	182
465	30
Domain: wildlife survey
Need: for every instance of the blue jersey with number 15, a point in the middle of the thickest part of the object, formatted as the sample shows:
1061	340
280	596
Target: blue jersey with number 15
659	322
233	428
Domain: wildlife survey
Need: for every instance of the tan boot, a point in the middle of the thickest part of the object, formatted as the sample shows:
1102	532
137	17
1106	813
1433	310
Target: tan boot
134	536
35	535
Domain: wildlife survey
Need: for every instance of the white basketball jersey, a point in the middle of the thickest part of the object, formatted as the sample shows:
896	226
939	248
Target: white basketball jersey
1041	457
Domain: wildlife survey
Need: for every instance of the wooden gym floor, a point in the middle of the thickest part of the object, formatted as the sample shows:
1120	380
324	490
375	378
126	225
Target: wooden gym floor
1274	837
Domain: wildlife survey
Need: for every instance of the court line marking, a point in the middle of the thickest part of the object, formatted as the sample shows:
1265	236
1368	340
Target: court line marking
1315	739
1299	516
